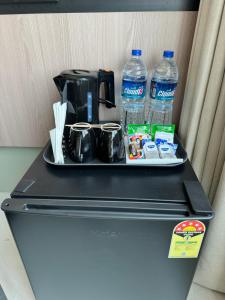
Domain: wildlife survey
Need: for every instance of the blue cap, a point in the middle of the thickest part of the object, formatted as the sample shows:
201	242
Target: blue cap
136	52
168	54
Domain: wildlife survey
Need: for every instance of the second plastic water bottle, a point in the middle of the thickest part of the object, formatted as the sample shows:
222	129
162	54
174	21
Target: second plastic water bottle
162	90
133	91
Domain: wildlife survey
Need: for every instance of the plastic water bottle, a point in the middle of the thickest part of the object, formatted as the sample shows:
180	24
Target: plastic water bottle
134	79
162	90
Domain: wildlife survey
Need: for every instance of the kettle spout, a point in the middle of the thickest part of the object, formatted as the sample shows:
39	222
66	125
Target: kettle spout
60	83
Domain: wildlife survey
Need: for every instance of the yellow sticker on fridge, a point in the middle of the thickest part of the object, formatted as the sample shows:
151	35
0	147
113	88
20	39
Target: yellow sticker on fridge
186	239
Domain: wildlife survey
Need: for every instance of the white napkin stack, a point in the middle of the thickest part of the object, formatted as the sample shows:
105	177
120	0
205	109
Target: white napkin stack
56	134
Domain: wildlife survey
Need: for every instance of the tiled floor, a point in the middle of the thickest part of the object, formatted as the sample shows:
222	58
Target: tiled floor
198	292
2	294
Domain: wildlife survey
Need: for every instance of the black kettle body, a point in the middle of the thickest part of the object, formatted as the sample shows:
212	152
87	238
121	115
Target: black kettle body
81	90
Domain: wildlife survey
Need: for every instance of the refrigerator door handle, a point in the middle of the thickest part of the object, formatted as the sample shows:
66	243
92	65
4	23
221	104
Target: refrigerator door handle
96	209
197	198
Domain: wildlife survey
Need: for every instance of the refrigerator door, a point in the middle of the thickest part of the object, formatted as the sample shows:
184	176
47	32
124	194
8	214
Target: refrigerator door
87	249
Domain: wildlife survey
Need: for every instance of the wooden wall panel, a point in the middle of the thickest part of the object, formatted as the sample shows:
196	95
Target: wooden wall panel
34	48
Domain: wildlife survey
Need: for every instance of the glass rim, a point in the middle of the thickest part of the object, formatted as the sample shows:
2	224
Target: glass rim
76	127
116	126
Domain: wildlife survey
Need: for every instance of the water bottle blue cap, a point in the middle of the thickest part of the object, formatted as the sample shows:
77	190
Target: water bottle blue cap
168	53
136	52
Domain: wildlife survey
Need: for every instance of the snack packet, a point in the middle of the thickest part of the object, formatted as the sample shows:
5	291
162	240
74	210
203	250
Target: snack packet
135	147
137	129
163	132
138	135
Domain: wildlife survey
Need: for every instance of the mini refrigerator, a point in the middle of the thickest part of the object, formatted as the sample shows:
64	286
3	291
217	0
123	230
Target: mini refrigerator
109	233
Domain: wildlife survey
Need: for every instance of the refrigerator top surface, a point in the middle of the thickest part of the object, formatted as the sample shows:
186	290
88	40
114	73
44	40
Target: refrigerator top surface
147	189
145	184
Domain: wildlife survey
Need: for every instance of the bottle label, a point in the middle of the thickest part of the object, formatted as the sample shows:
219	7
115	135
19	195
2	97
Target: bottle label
133	90
162	91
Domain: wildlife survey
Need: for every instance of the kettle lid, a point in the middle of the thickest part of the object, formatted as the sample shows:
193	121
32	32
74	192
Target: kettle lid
79	74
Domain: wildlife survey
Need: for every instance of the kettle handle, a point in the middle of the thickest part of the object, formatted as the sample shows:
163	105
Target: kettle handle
107	77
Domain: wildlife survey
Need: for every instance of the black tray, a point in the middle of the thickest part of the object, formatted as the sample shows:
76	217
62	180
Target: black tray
48	157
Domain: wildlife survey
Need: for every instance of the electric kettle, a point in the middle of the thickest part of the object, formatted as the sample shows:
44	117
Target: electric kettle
81	90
